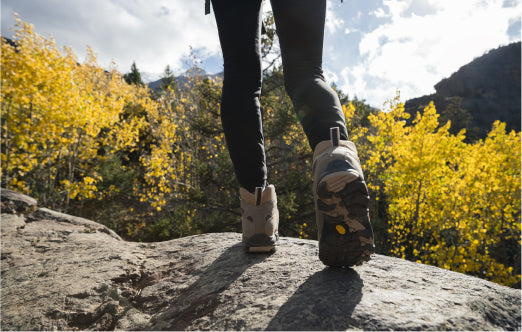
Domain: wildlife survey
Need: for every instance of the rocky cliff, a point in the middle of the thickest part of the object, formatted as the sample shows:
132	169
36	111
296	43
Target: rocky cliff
488	89
67	273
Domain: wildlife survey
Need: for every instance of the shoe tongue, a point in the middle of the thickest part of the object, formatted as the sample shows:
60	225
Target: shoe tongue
259	196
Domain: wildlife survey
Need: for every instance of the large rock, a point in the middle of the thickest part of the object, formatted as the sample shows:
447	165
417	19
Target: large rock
16	203
67	273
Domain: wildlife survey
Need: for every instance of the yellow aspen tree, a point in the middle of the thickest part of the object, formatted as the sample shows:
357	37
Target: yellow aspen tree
450	204
56	114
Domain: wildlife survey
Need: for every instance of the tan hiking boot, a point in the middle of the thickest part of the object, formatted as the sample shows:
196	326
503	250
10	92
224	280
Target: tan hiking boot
260	219
341	204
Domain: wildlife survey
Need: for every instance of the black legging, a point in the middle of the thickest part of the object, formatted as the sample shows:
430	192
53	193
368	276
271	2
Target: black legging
300	28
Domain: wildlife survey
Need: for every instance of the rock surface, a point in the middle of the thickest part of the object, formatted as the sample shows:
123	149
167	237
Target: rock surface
67	273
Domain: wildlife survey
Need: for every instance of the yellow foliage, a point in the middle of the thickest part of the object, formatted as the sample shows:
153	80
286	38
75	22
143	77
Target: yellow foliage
53	109
57	115
449	203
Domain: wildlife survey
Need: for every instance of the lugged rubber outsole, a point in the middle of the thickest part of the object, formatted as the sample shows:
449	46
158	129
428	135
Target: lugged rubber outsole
347	236
260	243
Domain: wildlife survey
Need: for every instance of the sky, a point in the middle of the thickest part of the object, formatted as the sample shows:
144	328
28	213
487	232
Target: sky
372	48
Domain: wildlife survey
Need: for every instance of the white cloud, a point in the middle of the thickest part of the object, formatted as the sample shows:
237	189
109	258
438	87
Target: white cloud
333	22
379	12
396	7
372	48
412	53
154	34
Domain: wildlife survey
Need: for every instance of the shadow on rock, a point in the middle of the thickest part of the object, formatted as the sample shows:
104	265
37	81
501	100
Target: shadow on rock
325	301
202	297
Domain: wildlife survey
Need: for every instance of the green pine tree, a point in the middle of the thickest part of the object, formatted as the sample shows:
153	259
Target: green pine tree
134	77
168	80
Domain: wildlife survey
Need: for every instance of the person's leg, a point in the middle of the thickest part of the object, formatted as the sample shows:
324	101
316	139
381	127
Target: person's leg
300	28
239	27
340	192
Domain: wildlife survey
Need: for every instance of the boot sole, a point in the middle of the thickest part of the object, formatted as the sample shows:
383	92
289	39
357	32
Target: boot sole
260	243
347	236
261	249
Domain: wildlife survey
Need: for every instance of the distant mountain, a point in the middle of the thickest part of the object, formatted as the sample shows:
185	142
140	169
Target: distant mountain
484	90
183	79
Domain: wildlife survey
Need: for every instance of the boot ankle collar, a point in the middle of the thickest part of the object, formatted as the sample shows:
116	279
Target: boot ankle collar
259	196
323	146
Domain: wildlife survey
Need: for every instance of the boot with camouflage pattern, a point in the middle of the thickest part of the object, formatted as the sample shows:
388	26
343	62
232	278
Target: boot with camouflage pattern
260	219
341	204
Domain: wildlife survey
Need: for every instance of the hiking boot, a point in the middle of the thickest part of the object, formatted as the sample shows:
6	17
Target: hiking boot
259	218
341	204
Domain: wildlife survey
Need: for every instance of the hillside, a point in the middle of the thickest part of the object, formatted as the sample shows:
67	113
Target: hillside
489	88
183	79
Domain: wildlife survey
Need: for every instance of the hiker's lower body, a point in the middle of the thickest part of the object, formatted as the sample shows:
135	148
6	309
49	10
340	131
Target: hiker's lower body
300	28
